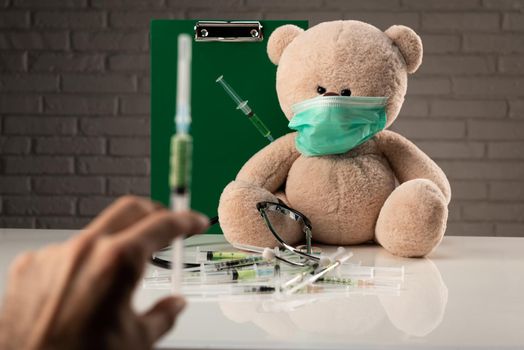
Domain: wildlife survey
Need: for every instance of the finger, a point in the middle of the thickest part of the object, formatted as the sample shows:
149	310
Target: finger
161	317
117	261
20	264
158	230
124	212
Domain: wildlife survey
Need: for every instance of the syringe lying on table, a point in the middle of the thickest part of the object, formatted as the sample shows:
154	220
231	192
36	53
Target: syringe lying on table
226	265
210	255
244	107
371	272
254	273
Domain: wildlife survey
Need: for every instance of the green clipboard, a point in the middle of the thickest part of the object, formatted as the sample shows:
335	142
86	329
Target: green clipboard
223	138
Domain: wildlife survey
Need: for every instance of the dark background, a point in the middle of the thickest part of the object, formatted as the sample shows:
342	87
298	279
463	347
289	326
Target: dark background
74	100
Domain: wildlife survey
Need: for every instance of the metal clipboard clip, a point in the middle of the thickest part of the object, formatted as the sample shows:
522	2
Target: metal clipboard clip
229	31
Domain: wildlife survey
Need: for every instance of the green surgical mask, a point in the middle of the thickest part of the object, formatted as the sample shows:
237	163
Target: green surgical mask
336	124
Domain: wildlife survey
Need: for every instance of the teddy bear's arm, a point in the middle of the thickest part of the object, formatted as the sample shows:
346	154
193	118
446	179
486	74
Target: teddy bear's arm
268	168
409	162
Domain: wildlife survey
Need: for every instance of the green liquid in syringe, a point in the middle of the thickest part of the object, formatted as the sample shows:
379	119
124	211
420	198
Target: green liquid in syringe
261	127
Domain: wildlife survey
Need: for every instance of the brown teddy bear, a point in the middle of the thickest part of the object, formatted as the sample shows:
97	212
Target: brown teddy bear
341	84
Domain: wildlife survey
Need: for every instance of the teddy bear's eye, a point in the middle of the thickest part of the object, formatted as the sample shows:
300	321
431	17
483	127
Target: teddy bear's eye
321	90
345	92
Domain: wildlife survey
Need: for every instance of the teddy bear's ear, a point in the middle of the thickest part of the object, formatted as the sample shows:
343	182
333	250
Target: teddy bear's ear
409	45
280	39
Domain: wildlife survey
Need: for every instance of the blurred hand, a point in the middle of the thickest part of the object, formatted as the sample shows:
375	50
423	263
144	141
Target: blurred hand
77	294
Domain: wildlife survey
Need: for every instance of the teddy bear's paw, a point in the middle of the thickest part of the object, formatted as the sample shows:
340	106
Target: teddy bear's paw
241	222
413	219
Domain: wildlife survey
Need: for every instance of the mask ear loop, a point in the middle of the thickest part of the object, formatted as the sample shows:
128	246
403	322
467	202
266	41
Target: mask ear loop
262	206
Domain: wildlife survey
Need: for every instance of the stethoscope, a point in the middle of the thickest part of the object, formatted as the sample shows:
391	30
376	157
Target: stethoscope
166	264
296	216
262	207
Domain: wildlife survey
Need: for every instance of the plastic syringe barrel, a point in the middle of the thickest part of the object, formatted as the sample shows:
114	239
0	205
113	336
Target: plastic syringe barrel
259	125
232	93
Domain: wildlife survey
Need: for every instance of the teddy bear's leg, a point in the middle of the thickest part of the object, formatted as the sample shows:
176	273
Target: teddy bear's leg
241	221
413	219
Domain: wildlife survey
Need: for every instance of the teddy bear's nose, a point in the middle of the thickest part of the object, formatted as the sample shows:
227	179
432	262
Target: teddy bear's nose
330	94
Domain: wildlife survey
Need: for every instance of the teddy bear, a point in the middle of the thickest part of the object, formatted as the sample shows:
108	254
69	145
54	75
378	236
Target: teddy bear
341	84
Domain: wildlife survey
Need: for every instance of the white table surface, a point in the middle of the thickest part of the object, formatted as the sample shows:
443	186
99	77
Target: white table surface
467	294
